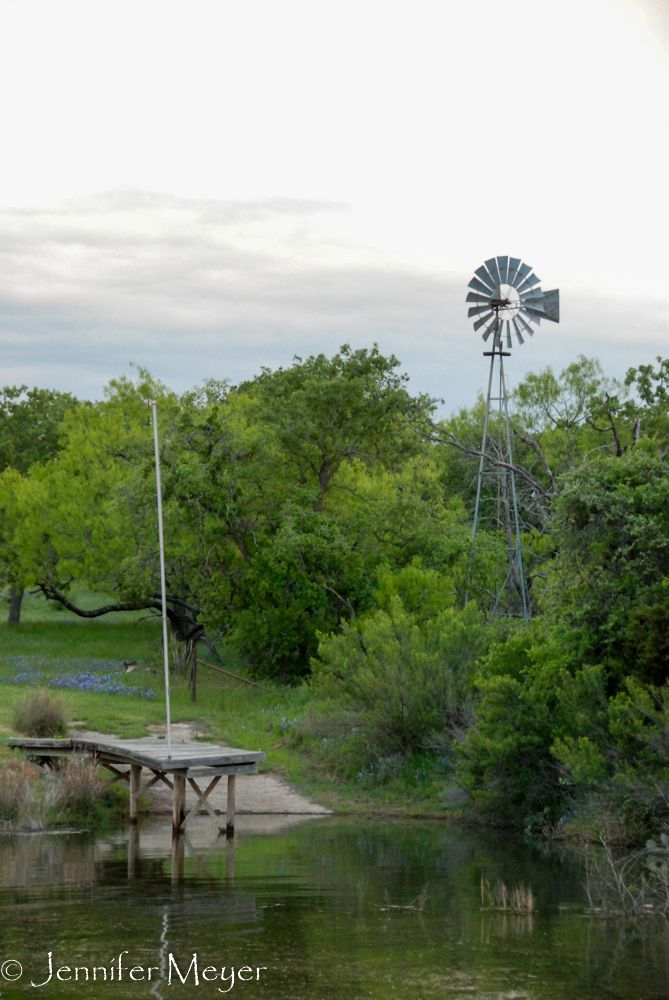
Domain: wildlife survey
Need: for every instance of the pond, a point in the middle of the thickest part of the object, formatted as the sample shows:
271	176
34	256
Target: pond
324	909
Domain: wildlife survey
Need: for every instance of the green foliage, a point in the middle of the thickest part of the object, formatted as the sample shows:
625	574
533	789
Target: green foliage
583	760
30	428
407	680
611	531
315	518
534	697
30	422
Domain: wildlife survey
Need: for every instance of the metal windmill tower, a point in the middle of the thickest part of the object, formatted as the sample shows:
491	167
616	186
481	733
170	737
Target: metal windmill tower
507	299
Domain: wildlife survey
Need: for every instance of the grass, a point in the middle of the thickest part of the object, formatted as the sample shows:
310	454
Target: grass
280	723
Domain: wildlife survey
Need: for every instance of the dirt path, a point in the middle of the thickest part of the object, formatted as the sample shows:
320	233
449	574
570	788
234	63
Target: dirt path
264	794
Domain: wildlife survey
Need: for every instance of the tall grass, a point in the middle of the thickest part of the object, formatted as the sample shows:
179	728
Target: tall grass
78	786
33	798
519	899
27	801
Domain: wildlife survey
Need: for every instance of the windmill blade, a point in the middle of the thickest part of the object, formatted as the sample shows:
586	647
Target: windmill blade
477	297
503	265
526	326
482	322
477	310
492	328
492	268
508	334
551	305
516	328
522	273
479	286
485	278
530	281
514	264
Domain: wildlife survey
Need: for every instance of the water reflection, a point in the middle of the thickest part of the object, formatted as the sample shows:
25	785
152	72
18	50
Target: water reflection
328	908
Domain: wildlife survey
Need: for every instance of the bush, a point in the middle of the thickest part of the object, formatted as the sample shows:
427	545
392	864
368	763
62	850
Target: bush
407	680
79	787
40	714
540	722
27	800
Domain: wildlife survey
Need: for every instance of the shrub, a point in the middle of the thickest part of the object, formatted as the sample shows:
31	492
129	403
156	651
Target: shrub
14	778
40	714
407	680
540	714
78	786
27	800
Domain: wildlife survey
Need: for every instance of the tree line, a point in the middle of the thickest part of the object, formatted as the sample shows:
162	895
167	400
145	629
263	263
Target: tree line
318	525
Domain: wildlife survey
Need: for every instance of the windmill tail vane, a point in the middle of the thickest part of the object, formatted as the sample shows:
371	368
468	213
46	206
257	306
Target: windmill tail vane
507	298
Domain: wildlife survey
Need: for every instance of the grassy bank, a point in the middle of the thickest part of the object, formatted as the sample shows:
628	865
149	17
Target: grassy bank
303	738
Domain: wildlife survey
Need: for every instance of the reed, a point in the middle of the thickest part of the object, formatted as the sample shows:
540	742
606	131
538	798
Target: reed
518	899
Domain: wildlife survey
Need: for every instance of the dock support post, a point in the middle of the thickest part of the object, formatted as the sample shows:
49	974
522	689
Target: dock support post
135	785
177	859
230	862
133	850
178	803
230	813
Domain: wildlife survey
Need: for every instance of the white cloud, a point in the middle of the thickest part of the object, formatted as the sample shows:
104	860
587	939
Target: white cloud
195	288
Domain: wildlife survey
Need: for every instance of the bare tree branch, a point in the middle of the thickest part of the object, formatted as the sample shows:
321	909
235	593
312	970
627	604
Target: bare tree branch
511	466
535	446
343	600
52	594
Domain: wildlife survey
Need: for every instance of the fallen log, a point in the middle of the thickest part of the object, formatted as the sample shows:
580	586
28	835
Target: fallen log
228	673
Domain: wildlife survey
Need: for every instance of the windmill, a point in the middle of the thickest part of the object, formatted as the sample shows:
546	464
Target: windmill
506	299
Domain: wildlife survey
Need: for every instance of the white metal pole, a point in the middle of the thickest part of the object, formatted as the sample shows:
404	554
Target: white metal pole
166	651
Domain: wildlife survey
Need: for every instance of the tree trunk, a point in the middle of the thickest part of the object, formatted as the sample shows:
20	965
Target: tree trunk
15	599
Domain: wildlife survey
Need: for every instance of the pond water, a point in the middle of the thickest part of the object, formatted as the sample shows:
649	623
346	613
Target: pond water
320	907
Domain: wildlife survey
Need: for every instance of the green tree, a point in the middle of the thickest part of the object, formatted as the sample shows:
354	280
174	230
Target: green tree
30	422
281	497
611	577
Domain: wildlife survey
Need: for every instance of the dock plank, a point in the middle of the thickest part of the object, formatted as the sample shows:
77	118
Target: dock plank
148	751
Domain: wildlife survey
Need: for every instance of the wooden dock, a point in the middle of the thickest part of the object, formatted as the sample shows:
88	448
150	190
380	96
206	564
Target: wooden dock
189	762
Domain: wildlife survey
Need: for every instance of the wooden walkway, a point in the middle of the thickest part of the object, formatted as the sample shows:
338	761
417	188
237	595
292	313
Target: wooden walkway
188	763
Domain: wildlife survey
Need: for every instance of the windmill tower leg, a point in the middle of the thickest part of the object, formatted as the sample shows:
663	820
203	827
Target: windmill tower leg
480	477
518	555
515	574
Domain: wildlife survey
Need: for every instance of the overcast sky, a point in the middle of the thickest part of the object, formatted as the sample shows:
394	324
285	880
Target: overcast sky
206	186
